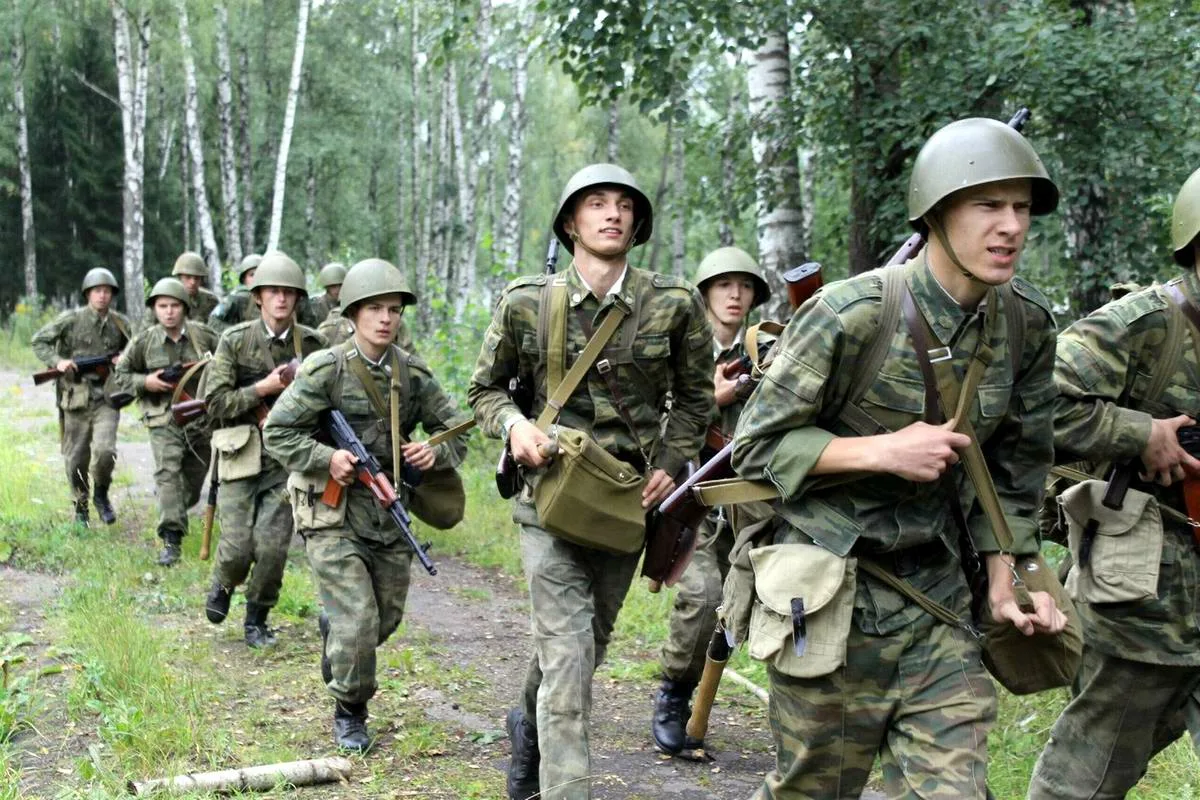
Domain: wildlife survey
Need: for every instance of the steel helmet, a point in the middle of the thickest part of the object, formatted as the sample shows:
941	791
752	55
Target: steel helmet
331	275
728	260
190	263
169	287
99	276
972	152
276	269
1185	221
373	277
248	263
600	175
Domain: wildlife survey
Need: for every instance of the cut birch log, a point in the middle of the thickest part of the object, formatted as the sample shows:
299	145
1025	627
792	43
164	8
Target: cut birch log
267	776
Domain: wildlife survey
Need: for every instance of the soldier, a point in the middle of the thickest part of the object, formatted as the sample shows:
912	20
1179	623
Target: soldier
238	305
732	285
180	454
665	344
330	278
1141	657
877	675
358	555
337	328
191	271
243	379
87	423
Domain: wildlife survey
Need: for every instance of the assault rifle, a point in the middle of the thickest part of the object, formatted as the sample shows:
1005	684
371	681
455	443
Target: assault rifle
508	471
169	374
371	475
188	410
83	365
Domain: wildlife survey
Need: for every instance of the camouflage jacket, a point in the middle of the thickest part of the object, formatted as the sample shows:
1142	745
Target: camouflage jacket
151	350
793	415
726	417
202	304
666	347
1106	362
320	305
78	333
337	329
327	381
239	306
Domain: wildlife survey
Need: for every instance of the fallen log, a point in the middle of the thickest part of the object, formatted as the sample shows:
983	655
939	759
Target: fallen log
268	776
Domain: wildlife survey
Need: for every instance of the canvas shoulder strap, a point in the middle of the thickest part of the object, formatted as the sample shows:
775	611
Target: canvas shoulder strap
562	391
875	353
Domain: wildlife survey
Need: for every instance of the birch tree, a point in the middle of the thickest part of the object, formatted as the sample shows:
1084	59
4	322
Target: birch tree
191	116
511	217
228	155
23	165
289	122
132	81
245	150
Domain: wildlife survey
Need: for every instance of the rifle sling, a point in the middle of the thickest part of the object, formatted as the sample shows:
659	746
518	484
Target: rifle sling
606	371
562	392
384	409
177	392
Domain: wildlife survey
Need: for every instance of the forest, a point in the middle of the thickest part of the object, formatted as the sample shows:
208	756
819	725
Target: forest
438	135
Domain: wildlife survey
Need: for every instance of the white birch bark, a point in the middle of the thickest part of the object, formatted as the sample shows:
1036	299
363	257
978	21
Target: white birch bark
614	131
191	116
310	213
777	175
132	82
185	182
510	217
474	159
249	221
678	234
441	246
459	265
228	154
289	122
23	165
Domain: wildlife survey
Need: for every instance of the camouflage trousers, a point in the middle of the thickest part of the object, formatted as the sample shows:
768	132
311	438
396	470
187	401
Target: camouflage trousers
697	597
180	464
575	593
256	528
362	585
919	698
90	435
1123	713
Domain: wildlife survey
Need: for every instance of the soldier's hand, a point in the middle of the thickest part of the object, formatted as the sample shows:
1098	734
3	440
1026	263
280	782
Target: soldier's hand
64	366
1002	602
920	452
1165	461
342	467
657	489
272	384
419	454
724	389
154	382
524	439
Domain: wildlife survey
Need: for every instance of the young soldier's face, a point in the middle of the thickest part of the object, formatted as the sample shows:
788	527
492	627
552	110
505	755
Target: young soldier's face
603	221
334	291
99	297
729	297
190	282
277	302
377	319
169	312
987	225
248	276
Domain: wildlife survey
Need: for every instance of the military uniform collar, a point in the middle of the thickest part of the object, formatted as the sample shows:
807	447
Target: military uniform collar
94	315
943	313
721	353
284	337
380	364
161	332
1191	285
621	293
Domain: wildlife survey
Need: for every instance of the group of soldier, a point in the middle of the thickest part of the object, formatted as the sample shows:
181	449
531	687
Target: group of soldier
864	470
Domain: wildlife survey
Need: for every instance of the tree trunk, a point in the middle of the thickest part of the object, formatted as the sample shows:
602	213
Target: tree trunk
249	222
204	223
229	179
442	187
678	187
27	231
660	194
132	81
373	206
420	208
729	213
614	131
289	121
166	130
777	175
310	213
510	216
185	183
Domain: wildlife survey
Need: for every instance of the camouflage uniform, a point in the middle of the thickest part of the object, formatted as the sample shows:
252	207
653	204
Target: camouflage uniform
911	689
337	329
1141	659
201	305
181	455
320	305
88	424
256	518
361	564
575	591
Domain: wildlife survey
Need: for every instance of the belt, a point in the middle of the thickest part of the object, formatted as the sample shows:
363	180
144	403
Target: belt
906	562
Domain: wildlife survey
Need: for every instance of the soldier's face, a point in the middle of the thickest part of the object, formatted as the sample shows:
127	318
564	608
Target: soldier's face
376	320
277	302
603	221
729	297
334	291
987	225
169	312
100	297
248	276
190	282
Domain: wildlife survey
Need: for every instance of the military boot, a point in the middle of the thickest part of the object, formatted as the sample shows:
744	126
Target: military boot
671	714
81	513
350	726
257	632
103	506
523	768
216	603
172	541
326	667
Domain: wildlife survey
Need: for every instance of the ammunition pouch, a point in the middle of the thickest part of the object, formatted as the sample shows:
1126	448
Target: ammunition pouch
308	511
1123	547
240	451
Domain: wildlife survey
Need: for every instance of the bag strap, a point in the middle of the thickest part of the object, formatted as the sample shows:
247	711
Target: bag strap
750	340
187	376
385	408
871	359
450	433
924	601
552	330
563	391
610	379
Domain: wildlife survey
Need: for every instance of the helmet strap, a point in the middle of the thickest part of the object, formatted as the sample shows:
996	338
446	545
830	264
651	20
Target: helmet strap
934	221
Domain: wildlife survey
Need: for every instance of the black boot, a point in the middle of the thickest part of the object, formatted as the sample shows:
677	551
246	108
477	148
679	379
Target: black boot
81	513
216	603
523	768
326	667
671	714
257	632
350	726
103	506
171	548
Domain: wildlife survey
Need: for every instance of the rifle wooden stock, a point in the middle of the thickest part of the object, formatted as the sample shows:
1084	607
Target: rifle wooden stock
802	283
210	509
188	410
714	666
97	364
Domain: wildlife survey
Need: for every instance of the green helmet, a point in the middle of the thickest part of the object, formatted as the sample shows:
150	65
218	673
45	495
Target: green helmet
331	275
276	269
600	175
169	287
373	277
190	263
1185	221
248	263
99	277
972	152
728	260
